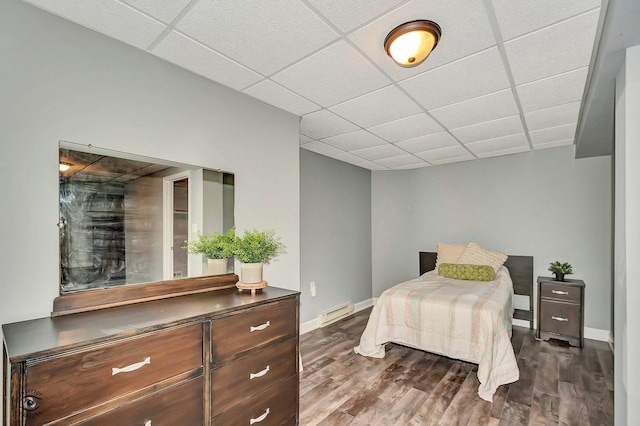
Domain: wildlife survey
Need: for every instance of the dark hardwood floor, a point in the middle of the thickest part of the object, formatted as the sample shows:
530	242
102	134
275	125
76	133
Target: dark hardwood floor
559	384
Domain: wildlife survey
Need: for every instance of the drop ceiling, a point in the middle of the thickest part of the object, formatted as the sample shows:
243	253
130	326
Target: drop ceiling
508	76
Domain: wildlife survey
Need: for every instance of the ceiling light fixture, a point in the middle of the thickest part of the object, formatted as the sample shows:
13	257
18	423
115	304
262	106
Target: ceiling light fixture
409	44
63	167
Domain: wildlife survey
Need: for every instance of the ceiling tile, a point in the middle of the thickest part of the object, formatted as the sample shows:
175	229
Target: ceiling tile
264	36
406	128
552	91
520	17
377	107
354	140
323	123
504	143
413	166
465	30
489	129
428	142
347	15
400	161
448	154
484	108
111	18
304	139
562	47
554	116
162	10
198	58
553	134
553	144
321	148
372	166
350	75
507	151
467	78
350	158
378	152
276	95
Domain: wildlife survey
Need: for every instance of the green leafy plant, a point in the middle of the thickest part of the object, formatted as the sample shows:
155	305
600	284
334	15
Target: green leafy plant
213	245
561	268
258	246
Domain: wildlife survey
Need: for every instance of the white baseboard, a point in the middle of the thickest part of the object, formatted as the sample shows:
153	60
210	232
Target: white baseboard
313	324
589	333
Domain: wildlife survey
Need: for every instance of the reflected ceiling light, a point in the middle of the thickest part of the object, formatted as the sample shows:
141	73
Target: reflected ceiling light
409	44
63	167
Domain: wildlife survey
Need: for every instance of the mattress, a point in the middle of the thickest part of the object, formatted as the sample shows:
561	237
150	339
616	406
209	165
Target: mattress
466	320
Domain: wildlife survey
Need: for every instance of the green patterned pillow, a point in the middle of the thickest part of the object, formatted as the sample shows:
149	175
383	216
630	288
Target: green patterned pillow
467	272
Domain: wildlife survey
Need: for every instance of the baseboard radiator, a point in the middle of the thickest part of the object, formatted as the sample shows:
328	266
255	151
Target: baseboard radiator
336	314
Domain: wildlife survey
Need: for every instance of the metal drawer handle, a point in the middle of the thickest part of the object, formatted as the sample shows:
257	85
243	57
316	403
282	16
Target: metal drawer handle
559	318
147	423
259	373
132	367
260	327
559	292
259	419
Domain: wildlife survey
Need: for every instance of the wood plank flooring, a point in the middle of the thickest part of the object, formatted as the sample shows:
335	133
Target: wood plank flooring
559	384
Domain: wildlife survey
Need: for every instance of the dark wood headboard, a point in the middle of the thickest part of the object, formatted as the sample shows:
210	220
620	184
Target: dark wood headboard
520	268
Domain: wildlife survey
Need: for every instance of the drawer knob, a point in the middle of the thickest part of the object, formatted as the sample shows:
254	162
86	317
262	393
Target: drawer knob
259	373
147	423
132	367
559	292
559	318
259	419
260	327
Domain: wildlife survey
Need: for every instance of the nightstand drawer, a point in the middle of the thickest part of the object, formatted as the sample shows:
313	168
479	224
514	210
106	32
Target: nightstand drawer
560	291
560	318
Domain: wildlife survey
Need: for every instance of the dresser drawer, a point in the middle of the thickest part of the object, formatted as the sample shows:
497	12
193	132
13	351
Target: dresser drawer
178	405
78	381
560	318
560	291
276	406
249	376
252	328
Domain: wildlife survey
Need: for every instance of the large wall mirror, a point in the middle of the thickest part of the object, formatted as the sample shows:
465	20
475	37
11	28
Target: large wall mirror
126	219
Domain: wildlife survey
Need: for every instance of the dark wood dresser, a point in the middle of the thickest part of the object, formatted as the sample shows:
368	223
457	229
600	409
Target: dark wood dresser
561	310
218	357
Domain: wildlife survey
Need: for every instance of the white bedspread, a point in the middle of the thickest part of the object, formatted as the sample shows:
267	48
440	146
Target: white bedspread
467	320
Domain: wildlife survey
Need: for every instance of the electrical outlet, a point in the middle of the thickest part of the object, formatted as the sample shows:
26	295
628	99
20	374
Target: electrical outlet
313	289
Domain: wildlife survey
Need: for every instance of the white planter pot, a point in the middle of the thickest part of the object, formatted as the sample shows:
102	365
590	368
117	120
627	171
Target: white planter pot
251	273
217	266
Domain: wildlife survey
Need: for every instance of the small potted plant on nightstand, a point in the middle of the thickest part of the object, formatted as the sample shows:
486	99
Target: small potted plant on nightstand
216	247
253	249
560	269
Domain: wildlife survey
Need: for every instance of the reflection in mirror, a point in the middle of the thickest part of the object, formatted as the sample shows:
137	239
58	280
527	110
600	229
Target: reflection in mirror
125	219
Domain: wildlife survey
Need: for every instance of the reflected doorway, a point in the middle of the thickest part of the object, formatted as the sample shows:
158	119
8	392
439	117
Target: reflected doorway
180	227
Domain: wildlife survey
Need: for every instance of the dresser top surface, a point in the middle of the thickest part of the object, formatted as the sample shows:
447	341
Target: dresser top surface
38	337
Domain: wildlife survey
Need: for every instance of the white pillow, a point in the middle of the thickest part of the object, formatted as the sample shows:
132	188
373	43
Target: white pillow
478	255
449	253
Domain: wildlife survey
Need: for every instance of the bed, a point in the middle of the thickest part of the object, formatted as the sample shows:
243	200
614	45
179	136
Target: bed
466	320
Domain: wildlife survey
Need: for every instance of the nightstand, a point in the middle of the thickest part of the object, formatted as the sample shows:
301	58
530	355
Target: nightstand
561	310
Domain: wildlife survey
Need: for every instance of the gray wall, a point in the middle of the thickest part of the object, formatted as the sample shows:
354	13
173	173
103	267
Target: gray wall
59	81
543	203
627	240
335	233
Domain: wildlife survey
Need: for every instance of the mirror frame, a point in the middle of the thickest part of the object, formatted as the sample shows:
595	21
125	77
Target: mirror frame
102	298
